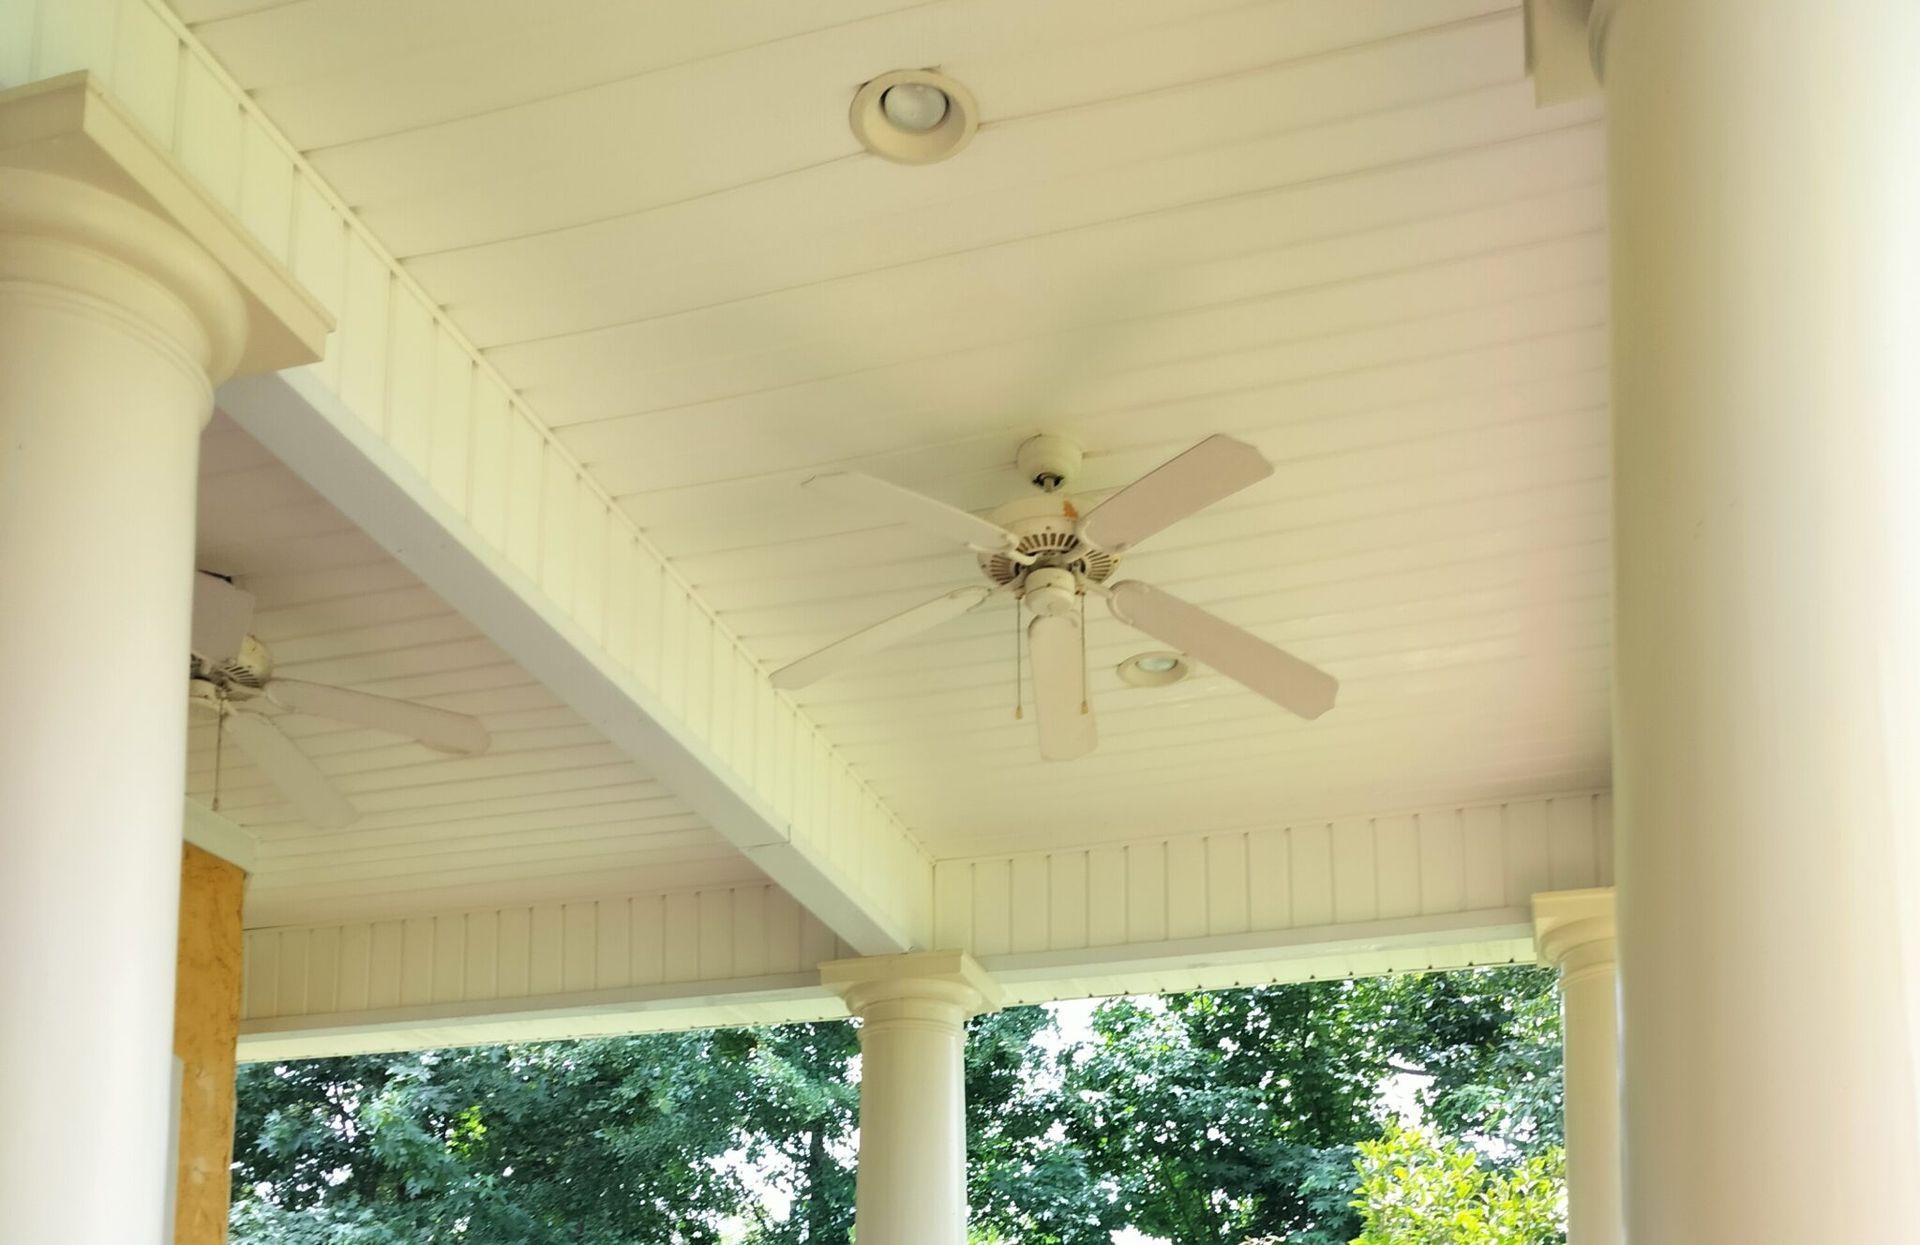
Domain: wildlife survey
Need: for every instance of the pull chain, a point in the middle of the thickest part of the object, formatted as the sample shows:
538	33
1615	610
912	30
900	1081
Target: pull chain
1083	653
1019	685
219	739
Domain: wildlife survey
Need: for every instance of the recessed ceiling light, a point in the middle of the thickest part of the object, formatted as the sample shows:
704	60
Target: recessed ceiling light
913	116
1153	669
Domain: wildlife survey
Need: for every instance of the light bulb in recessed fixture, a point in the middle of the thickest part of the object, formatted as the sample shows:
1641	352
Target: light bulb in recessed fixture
915	107
1153	669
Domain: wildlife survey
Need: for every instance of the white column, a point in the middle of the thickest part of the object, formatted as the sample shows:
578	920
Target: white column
1573	932
912	1182
113	326
1766	390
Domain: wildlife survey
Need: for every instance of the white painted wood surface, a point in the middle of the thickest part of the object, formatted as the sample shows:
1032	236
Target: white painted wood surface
1374	259
528	956
1340	229
449	428
1436	863
1439	888
550	810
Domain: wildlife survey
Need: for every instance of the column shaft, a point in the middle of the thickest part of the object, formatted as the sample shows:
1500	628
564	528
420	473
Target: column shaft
1590	1031
912	1182
1765	393
912	1185
103	392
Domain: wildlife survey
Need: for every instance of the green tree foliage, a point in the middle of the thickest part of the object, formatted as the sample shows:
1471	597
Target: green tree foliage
1491	1042
797	1123
1024	1181
1209	1119
1218	1117
587	1143
1235	1115
1421	1188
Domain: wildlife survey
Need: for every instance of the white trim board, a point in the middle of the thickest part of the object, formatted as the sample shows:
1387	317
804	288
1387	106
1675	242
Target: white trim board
1442	888
210	832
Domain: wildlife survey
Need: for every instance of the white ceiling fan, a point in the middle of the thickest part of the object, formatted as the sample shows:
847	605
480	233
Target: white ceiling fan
231	676
1050	557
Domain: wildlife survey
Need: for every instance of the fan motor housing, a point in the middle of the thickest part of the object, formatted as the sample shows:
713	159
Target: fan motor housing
241	675
1045	527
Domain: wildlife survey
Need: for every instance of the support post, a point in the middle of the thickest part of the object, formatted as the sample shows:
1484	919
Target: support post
1573	932
115	324
1766	286
206	1037
911	1187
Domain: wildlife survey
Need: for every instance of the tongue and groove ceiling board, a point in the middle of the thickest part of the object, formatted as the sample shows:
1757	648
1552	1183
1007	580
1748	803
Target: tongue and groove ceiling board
1338	229
550	811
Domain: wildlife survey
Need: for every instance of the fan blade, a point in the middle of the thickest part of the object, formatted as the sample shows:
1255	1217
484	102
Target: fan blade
884	634
221	615
1060	687
906	506
288	768
436	728
1217	467
1241	656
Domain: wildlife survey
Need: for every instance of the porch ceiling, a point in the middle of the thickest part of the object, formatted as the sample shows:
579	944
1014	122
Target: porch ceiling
550	811
1338	229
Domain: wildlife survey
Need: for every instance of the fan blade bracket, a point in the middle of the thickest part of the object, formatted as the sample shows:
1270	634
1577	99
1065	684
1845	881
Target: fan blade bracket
1012	553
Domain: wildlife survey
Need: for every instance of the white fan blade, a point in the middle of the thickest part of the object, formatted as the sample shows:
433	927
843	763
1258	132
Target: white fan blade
221	615
884	634
436	728
1241	656
1060	687
288	768
906	506
1217	467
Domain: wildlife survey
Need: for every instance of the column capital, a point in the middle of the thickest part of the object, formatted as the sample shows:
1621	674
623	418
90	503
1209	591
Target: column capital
1572	929
78	176
952	978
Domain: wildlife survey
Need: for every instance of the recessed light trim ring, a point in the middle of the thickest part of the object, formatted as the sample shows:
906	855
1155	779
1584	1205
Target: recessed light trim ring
1154	669
879	133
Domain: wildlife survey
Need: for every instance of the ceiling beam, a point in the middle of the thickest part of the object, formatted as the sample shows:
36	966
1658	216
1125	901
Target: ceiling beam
819	835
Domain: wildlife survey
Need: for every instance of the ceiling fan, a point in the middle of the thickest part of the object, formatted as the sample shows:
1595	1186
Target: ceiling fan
1049	556
231	676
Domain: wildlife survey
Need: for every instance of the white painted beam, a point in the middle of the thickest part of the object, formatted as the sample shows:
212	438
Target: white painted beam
298	417
210	832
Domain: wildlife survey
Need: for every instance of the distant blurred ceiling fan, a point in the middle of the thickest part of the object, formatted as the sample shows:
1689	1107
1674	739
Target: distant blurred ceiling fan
1049	556
231	674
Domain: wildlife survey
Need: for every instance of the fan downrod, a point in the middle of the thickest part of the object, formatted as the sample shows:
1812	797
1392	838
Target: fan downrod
1049	462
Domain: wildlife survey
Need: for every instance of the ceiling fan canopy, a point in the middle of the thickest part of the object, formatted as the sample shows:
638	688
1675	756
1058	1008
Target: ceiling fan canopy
1047	555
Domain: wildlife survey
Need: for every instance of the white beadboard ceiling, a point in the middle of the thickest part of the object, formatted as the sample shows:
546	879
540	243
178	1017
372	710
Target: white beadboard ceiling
550	811
1338	229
